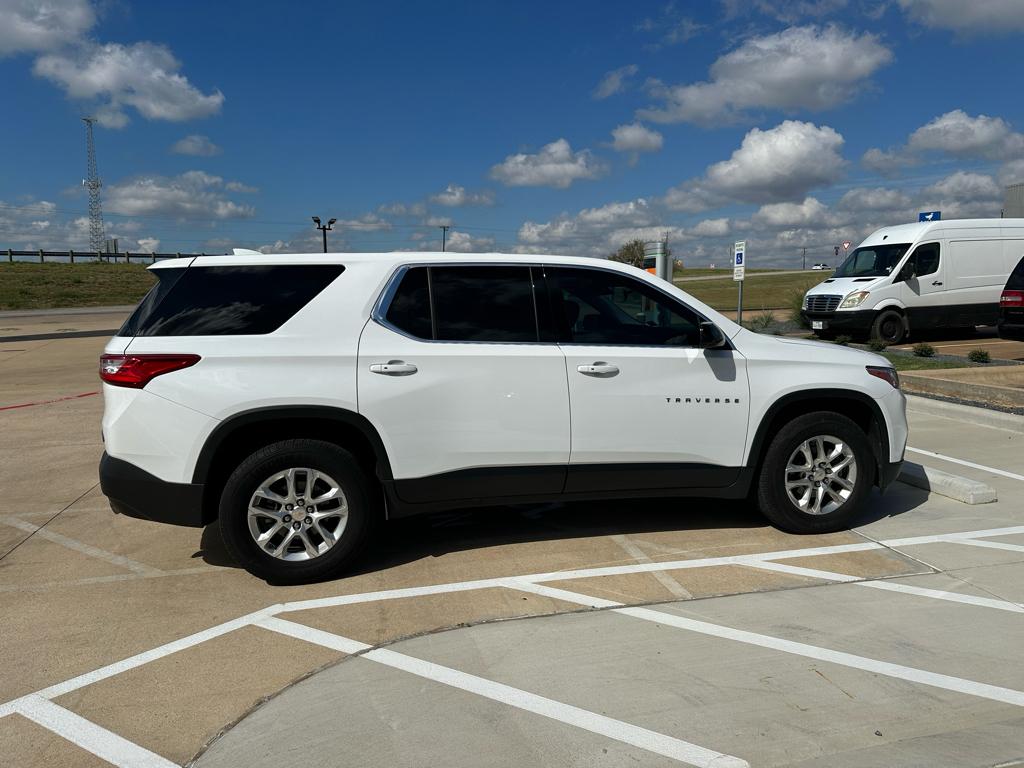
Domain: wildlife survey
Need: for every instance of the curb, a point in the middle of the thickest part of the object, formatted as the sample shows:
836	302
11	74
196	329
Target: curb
952	486
126	308
969	413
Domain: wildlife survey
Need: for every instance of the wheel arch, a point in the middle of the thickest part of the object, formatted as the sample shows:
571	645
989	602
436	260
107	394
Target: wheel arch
856	406
244	433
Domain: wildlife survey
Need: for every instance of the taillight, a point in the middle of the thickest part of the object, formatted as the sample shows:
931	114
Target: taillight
1012	299
137	371
885	374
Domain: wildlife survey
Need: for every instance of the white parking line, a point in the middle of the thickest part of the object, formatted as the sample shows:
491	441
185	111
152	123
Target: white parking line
93	738
889	669
528	583
633	550
965	463
651	741
895	586
993	545
78	546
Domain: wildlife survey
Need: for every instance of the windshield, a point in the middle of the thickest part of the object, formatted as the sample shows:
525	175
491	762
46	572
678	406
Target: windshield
872	261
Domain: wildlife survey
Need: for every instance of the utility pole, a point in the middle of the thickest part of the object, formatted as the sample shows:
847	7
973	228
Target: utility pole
444	235
325	228
805	258
92	183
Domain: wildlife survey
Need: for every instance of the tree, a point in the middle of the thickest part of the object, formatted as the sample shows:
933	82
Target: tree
633	253
630	253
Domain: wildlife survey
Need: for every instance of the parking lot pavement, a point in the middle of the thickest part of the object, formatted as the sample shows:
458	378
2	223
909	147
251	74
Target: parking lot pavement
506	636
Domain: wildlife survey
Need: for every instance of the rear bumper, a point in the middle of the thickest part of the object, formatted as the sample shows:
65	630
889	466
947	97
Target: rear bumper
858	321
136	493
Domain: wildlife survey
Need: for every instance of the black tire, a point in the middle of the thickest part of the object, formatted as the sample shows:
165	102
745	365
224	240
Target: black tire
889	326
772	495
318	455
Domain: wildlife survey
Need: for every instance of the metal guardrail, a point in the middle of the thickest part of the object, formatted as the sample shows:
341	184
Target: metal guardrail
73	257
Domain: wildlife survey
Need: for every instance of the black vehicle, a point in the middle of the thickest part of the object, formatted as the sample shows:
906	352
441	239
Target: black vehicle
1011	305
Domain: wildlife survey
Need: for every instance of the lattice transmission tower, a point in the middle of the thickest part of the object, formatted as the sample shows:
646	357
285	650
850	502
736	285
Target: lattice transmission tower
92	183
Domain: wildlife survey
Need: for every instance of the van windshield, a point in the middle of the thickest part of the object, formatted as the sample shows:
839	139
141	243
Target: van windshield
872	261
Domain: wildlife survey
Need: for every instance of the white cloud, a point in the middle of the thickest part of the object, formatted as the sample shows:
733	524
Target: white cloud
998	17
633	213
799	68
463	242
368	222
964	186
41	224
957	133
402	209
42	25
711	228
876	199
149	244
782	163
555	165
615	81
788	11
788	215
237	186
438	221
455	196
954	133
141	75
193	194
636	137
196	145
1012	173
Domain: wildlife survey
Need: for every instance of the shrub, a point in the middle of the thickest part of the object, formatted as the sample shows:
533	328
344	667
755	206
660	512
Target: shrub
763	320
796	305
877	345
979	356
843	341
924	350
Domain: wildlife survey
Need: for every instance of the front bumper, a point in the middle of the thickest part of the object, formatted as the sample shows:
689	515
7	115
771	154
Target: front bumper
136	493
857	321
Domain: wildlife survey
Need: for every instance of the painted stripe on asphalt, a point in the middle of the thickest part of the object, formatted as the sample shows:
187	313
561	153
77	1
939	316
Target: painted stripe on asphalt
153	654
47	402
83	733
963	462
895	586
651	741
85	549
889	669
993	545
954	538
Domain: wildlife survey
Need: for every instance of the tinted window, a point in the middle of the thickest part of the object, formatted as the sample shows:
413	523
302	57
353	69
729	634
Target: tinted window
1016	281
215	301
165	280
483	304
600	307
409	310
925	259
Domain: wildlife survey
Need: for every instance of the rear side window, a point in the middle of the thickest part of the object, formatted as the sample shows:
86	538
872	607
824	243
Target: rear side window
1016	281
481	304
219	301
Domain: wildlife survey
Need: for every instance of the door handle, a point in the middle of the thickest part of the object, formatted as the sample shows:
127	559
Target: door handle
600	369
394	368
936	282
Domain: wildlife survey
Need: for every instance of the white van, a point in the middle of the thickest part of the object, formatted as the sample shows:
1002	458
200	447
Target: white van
942	274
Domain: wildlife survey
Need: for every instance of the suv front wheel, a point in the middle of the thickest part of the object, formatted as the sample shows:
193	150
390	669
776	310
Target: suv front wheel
296	511
816	474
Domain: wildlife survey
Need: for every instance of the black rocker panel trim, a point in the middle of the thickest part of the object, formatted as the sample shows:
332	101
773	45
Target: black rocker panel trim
588	478
482	482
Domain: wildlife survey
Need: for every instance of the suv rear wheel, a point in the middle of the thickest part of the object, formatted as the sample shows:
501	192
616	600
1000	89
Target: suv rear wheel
296	511
816	475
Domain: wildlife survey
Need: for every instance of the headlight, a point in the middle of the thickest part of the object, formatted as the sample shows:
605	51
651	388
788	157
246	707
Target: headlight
855	299
806	297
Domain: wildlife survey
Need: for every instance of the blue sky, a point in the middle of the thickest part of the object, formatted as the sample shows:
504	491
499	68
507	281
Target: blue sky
565	127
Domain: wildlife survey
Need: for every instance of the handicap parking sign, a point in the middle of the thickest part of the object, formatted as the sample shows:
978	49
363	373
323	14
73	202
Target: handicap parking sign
739	258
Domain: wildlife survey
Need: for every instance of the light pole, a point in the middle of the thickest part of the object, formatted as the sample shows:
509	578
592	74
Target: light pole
325	228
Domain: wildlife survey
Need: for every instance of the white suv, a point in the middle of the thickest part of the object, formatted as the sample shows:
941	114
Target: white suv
296	400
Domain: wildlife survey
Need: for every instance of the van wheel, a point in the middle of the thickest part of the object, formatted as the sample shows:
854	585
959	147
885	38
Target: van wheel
296	511
816	475
890	326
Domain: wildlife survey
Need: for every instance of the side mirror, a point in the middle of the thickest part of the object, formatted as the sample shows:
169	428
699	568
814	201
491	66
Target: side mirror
711	337
907	273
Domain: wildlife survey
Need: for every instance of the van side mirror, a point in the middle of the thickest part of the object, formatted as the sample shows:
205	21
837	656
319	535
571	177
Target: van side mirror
711	337
907	273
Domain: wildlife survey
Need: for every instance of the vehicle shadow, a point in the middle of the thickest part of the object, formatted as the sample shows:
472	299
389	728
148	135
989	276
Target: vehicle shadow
403	541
